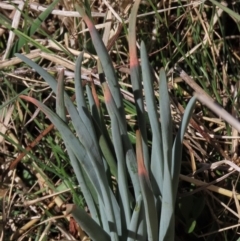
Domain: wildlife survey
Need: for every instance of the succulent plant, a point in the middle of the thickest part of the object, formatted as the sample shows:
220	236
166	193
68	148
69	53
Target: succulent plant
146	210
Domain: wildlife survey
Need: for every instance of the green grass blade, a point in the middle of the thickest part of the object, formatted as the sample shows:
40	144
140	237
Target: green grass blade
6	103
93	151
24	36
82	130
157	152
97	116
133	227
103	217
105	60
136	82
147	193
128	149
86	187
35	25
167	211
92	148
104	191
166	119
68	136
80	100
167	225
102	136
60	106
177	146
227	10
94	105
87	119
122	176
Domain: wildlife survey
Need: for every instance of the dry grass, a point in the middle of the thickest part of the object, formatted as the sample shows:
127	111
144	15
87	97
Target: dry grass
37	180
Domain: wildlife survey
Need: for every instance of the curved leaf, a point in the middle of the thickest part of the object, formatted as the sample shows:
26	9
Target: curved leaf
177	146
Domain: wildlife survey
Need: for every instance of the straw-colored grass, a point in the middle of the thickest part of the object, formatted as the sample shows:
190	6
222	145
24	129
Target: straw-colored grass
202	37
